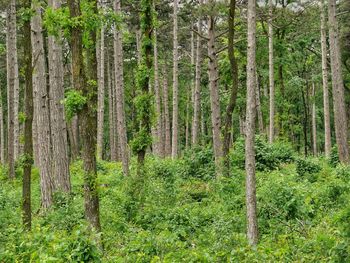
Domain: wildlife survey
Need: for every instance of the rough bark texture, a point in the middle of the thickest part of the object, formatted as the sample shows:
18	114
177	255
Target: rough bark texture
314	131
271	76
338	85
101	92
41	104
214	95
16	143
234	72
327	122
174	141
60	161
167	144
252	224
119	84
197	88
29	110
87	116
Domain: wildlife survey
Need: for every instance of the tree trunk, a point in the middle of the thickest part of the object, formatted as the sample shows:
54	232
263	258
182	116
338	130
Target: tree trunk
214	95
41	104
234	72
167	146
16	99
252	224
2	134
101	92
197	88
111	117
60	161
340	117
327	122
314	131
271	75
28	139
258	106
174	149
119	84
87	115
190	95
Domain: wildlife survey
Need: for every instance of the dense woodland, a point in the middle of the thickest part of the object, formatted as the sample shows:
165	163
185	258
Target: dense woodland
174	131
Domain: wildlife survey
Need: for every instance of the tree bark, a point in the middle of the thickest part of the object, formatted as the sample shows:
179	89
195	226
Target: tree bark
340	117
174	149
258	106
167	145
87	115
252	223
214	95
2	134
111	117
271	76
41	104
60	161
327	122
314	130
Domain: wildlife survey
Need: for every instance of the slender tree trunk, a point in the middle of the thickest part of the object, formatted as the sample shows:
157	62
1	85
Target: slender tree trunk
174	149
327	122
111	117
190	95
197	88
252	223
167	147
16	99
87	115
234	90
119	81
60	161
314	131
2	134
101	92
41	104
340	117
258	106
28	136
214	95
271	75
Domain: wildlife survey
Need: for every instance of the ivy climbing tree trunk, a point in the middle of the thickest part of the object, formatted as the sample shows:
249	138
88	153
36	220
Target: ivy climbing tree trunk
41	104
60	161
340	117
327	122
87	115
271	76
252	223
174	141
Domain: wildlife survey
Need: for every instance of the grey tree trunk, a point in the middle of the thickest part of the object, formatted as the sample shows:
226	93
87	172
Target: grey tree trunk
327	122
111	117
119	81
271	76
314	130
174	141
214	96
258	105
101	92
340	118
252	223
167	147
16	99
60	161
41	105
2	135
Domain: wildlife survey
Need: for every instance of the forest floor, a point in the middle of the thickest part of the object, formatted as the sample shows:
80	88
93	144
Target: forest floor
179	212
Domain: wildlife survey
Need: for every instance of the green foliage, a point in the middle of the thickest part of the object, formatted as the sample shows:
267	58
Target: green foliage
334	157
268	156
307	166
74	102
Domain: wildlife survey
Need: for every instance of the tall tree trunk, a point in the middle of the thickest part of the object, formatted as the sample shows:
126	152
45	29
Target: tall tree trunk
234	72
340	118
314	131
258	105
327	122
190	95
87	115
41	104
101	92
119	84
167	146
60	161
271	76
174	141
16	99
28	136
2	134
112	119
197	88
11	86
252	223
214	95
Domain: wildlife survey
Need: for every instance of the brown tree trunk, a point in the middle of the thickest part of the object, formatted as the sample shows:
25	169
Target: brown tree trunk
327	122
271	76
252	223
167	146
314	130
87	115
340	117
174	141
60	161
258	106
28	139
111	117
2	135
119	84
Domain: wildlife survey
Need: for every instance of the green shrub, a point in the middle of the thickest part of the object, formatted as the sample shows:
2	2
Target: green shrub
334	157
308	167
